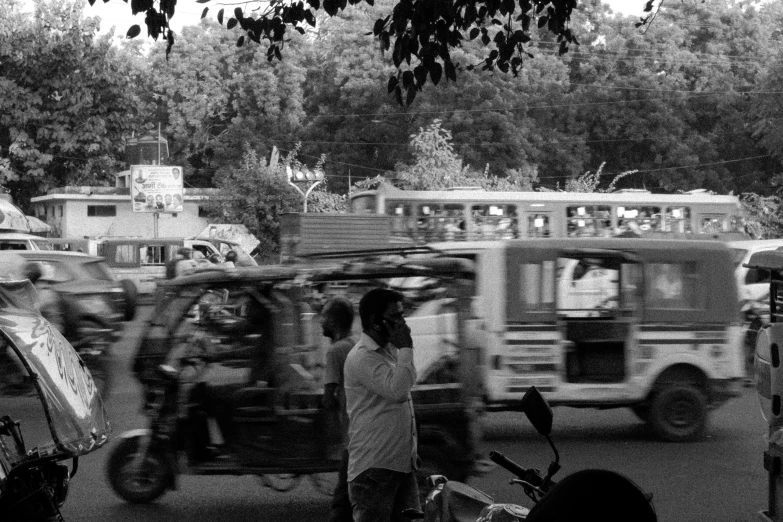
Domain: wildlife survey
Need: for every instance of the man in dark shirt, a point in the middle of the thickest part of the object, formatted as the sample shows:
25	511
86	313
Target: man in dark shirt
336	322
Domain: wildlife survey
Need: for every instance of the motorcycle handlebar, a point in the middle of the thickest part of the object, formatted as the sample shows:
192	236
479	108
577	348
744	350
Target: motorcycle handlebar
528	475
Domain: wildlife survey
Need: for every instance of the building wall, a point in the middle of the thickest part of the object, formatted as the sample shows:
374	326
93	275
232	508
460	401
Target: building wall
67	213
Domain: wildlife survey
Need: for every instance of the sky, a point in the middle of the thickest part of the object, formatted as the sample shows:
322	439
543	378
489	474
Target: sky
188	12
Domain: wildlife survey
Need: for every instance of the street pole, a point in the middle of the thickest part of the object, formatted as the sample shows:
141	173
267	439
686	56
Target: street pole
311	178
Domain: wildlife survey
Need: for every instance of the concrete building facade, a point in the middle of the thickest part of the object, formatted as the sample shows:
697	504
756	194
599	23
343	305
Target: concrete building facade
107	212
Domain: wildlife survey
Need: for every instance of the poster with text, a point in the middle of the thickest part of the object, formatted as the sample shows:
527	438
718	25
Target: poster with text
156	188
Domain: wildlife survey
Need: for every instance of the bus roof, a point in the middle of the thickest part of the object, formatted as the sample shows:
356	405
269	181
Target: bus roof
587	198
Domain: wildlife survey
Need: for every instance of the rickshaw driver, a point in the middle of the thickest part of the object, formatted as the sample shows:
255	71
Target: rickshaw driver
256	335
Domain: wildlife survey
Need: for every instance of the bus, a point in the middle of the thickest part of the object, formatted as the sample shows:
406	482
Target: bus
474	214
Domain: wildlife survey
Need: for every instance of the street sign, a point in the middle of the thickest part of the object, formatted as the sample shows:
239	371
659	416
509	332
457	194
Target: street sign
156	188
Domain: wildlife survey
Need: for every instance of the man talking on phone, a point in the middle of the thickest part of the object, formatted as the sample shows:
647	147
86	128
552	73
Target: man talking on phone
379	374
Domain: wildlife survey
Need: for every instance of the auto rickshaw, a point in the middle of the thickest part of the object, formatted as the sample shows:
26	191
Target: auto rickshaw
230	367
768	373
50	410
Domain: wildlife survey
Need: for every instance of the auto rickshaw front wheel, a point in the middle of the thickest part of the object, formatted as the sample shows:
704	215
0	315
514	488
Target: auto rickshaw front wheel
678	412
138	482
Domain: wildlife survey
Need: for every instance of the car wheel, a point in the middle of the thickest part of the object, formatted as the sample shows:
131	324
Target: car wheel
679	413
130	296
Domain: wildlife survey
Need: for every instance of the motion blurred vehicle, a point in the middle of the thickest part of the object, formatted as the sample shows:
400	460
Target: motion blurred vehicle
769	378
753	285
50	410
92	305
84	278
649	324
230	370
142	261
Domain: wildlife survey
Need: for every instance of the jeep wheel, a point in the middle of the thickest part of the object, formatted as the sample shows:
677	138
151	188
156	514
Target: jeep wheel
679	413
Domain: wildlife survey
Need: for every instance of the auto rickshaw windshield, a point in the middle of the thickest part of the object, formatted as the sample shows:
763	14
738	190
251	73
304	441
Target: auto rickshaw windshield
41	365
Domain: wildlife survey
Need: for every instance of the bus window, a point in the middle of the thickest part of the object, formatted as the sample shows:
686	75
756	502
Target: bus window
736	223
440	222
638	219
678	219
538	225
426	221
452	222
365	204
401	222
589	220
494	221
713	223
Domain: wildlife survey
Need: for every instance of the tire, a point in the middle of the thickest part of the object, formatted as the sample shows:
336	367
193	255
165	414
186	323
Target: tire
138	488
131	297
679	413
642	412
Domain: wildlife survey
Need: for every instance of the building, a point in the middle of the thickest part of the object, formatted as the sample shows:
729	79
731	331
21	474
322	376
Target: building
107	211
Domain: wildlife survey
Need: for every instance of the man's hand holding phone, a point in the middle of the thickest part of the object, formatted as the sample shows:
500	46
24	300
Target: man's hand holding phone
399	333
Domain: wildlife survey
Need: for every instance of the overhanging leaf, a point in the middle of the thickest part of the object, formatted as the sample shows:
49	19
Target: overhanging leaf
220	17
204	12
134	31
241	41
410	96
232	22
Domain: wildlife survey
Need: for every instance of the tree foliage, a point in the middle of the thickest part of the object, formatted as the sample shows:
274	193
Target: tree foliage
66	99
256	192
420	34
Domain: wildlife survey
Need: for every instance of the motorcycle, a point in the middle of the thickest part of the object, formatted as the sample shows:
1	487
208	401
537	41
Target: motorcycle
43	384
592	494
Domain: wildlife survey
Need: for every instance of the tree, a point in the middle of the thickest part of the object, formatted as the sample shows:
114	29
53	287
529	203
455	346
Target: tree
213	96
66	100
436	166
255	193
421	34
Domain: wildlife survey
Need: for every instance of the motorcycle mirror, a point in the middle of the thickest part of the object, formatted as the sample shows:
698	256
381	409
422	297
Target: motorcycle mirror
538	411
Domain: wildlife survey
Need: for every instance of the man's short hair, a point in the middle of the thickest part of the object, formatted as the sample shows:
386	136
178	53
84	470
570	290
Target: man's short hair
375	302
341	310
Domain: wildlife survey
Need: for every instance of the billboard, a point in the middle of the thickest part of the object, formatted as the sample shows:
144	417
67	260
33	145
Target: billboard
156	188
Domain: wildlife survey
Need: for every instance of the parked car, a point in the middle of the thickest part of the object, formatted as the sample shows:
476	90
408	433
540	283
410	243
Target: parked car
86	278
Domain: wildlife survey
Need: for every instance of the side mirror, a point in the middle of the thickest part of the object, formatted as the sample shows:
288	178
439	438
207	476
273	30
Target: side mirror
538	411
